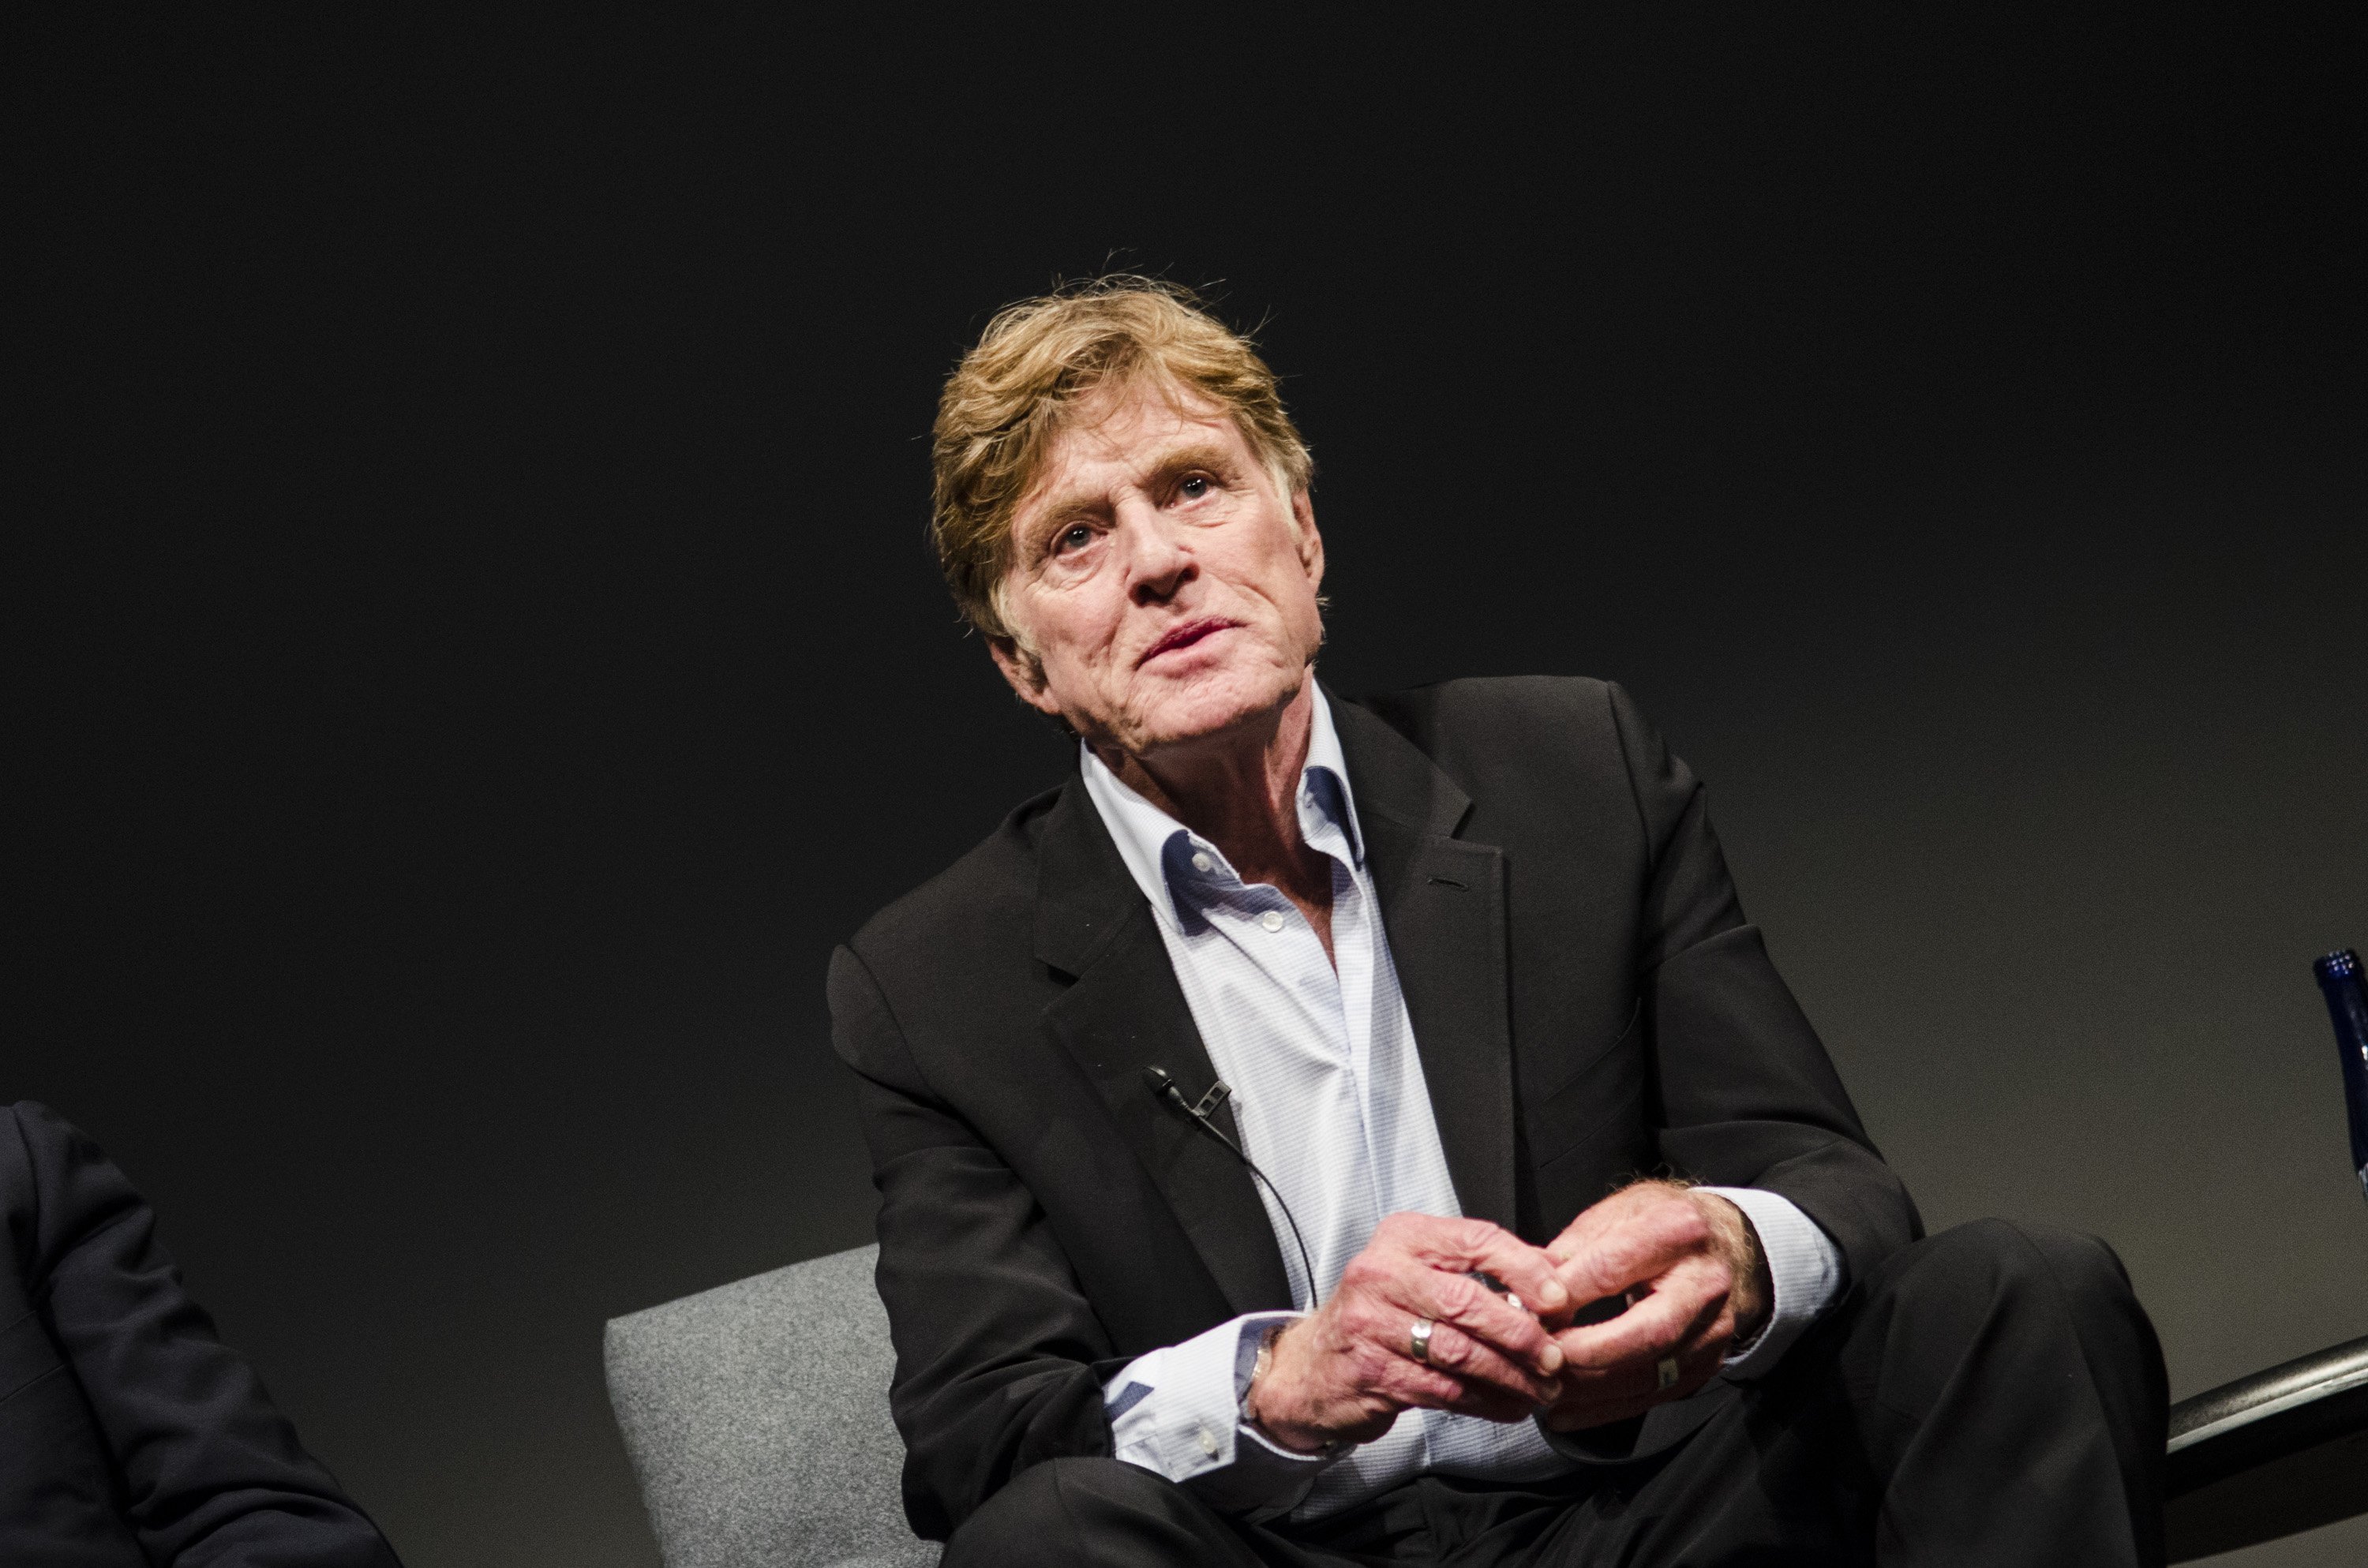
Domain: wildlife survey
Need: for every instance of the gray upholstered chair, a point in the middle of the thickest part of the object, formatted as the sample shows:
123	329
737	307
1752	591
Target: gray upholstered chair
756	1415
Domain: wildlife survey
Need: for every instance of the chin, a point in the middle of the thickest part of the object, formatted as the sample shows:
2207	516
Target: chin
1215	705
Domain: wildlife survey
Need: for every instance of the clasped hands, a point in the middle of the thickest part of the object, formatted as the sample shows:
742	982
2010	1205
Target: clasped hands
1686	1263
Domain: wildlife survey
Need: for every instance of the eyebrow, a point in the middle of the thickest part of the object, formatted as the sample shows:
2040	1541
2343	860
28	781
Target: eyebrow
1059	508
1200	454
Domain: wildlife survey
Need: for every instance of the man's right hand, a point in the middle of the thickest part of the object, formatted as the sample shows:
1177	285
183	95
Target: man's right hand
1342	1373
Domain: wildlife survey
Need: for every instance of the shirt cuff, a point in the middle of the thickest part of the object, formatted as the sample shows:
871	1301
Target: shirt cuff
1804	1266
1176	1413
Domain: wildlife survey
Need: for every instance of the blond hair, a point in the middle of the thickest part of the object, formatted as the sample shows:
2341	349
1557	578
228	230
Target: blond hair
1036	362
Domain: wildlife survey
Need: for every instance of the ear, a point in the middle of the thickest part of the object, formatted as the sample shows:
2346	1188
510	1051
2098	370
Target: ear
1311	543
1025	673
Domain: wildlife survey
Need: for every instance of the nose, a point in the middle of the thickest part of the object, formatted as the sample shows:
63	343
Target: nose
1159	562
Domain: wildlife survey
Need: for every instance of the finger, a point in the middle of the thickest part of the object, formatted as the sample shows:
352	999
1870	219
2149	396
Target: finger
1576	1413
1465	1246
1480	1313
1646	1245
1382	1330
1411	1382
1477	1363
1523	1269
1676	1316
1400	1381
1625	1390
1612	1213
1697	1365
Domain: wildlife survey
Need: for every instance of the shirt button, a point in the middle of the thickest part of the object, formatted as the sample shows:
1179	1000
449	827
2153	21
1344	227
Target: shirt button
1208	1442
1202	863
1271	920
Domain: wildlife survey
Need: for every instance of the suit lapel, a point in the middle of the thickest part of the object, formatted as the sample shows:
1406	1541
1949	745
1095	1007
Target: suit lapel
1443	908
1124	1013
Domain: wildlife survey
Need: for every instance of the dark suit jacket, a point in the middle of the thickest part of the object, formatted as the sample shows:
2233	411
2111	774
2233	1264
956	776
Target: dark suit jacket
130	1435
1587	1003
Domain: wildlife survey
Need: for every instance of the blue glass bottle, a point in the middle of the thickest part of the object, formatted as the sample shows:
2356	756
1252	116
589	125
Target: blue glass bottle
2347	1003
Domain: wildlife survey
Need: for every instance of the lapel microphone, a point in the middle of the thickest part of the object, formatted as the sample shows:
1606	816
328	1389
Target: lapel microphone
1163	1086
1163	1083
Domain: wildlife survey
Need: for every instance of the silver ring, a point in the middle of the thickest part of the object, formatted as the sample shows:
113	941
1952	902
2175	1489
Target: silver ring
1665	1368
1418	1339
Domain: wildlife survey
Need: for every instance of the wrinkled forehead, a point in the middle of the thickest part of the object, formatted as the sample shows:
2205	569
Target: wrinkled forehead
1132	421
1128	430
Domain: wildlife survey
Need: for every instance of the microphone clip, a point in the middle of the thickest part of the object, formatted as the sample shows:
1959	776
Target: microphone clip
1164	1085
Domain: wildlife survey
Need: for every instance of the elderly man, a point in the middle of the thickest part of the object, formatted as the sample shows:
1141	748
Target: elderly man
1322	1133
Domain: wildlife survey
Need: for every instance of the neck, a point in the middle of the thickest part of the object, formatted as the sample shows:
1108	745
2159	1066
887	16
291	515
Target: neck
1240	792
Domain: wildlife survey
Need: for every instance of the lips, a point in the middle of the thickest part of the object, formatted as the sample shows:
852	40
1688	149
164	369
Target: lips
1187	634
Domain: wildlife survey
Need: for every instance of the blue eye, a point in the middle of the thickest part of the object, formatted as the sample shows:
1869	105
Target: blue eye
1077	536
1195	487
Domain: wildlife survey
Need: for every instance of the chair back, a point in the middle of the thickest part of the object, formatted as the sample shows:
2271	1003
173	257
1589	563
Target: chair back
757	1418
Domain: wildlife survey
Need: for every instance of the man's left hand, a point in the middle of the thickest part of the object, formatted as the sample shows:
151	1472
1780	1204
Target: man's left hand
1690	1265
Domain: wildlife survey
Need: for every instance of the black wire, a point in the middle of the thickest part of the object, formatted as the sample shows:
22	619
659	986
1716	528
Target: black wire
1314	1292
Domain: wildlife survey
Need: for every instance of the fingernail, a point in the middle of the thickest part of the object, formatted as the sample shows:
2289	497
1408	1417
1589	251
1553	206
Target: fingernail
1552	1360
1554	1295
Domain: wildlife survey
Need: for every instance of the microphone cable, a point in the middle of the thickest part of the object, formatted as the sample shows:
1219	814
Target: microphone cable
1163	1085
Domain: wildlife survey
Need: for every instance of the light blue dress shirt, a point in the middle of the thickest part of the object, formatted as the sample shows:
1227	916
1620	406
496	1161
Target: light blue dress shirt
1329	1099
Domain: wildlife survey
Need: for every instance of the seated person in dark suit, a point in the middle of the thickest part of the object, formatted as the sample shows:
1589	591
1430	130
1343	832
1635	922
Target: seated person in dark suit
130	1435
1535	1228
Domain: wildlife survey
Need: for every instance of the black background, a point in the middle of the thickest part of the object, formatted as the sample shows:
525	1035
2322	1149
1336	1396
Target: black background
474	650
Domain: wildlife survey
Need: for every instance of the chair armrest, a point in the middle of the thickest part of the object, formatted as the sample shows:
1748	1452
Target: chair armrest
2281	1451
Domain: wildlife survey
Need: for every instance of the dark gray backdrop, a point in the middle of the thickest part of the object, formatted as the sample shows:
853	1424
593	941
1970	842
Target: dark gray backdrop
474	651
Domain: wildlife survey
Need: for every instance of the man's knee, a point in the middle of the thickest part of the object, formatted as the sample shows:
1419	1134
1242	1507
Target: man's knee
1061	1511
1991	1278
2005	1306
1995	1260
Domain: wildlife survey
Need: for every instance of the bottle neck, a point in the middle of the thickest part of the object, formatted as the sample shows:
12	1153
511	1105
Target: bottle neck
2347	1007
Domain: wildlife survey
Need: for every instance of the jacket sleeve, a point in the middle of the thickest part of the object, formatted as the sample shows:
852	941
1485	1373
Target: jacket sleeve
210	1472
1746	1095
999	1359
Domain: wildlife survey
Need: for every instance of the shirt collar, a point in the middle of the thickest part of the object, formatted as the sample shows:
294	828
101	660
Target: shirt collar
1153	844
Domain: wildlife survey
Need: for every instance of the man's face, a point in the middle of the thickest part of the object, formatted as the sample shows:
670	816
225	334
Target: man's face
1158	578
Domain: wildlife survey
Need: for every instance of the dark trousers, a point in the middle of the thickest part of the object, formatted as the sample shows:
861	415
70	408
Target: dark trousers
1992	1396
